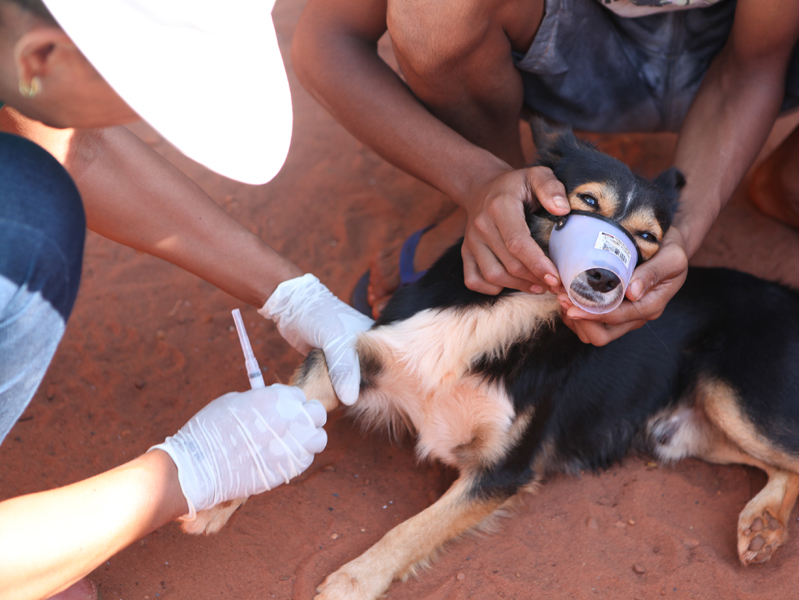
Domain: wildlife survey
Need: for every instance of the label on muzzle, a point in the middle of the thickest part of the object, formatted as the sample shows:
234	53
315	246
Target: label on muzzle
609	242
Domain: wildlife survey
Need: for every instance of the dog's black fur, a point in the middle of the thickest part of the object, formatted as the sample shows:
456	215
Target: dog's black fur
594	402
499	388
713	378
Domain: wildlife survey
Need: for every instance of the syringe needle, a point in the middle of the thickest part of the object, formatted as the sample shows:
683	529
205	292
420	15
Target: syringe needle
253	370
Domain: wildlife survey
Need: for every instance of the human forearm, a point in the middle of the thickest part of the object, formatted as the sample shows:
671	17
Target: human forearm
49	540
134	196
167	215
728	124
339	65
715	150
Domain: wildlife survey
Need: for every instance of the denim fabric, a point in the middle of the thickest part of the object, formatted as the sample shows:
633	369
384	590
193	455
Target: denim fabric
597	71
42	230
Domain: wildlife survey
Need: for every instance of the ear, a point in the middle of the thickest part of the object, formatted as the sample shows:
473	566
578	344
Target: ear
552	141
38	50
670	182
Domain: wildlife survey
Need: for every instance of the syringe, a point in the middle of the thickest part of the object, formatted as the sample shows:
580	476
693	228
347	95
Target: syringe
253	370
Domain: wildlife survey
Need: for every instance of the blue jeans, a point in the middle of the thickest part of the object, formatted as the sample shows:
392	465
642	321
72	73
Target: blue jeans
42	230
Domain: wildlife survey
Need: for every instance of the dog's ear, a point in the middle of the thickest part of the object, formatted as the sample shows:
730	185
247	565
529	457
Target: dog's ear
553	141
670	182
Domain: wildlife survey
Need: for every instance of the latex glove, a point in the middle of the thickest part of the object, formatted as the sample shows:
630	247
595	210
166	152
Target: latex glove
246	443
309	316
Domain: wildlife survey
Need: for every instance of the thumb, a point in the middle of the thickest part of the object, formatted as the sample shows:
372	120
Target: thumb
548	190
645	277
670	262
639	286
345	375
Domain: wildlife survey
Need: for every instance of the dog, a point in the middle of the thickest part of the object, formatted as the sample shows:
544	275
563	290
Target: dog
500	389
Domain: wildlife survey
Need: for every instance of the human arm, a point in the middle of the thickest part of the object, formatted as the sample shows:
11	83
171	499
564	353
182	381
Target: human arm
724	130
51	539
335	56
134	196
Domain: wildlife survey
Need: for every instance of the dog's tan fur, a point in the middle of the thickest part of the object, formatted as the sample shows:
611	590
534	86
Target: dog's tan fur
465	424
419	376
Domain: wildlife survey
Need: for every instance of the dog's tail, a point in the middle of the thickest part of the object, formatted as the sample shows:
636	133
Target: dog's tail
313	378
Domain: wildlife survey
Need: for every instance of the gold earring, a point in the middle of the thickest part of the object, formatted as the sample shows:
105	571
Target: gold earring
29	90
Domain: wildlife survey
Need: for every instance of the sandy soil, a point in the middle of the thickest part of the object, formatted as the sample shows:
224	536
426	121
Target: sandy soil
149	345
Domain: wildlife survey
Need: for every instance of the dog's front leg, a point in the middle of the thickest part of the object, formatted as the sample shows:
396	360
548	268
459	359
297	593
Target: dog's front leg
410	545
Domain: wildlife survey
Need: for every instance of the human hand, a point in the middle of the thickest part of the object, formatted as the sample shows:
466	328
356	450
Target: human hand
246	443
309	316
653	284
498	251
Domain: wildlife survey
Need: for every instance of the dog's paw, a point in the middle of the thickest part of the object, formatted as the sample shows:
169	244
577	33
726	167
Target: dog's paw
759	535
340	586
353	583
212	519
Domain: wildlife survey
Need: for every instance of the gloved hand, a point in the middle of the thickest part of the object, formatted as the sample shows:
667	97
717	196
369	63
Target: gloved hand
246	443
309	316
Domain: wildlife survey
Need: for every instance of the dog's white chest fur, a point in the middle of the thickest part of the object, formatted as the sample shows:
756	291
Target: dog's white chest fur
427	385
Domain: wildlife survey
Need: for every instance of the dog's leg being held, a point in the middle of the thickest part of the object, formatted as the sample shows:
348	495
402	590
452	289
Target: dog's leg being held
312	378
212	519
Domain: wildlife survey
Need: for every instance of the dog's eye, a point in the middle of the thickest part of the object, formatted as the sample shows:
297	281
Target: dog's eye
648	237
589	200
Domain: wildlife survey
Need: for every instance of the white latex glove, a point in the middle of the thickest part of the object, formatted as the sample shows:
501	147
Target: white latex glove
309	316
246	443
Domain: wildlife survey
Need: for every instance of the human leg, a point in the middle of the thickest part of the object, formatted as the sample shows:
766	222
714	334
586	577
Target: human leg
774	185
457	58
42	230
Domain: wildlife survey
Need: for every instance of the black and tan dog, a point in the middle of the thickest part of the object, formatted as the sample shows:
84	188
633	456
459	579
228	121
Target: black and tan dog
499	388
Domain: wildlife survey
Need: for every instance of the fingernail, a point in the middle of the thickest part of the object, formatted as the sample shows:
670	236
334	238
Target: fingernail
537	289
551	280
636	289
561	202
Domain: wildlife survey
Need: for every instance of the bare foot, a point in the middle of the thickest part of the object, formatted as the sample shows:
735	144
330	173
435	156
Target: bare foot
774	188
384	276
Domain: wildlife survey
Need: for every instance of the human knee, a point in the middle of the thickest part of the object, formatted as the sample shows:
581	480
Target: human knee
37	190
42	223
430	37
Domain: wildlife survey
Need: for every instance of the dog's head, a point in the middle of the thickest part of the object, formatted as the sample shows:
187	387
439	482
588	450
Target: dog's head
598	183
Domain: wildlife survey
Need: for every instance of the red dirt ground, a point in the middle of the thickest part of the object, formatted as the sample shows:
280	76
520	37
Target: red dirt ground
148	345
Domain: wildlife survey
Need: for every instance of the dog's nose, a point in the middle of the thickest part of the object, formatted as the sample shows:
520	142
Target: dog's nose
602	280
